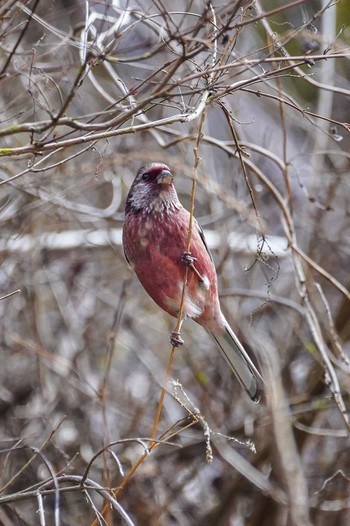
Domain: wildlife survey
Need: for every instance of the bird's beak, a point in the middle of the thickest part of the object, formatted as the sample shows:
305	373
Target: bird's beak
165	177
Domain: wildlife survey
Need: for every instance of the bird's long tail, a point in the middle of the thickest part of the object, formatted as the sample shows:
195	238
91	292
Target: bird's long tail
239	361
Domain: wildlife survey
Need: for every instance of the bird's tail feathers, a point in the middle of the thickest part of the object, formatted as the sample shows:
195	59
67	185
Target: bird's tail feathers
239	361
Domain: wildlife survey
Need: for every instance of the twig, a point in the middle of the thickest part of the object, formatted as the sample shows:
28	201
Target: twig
10	294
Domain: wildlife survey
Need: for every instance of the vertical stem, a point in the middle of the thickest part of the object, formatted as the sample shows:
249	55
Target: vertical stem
154	444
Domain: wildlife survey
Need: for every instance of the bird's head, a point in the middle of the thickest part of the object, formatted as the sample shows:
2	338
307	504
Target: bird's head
152	189
154	175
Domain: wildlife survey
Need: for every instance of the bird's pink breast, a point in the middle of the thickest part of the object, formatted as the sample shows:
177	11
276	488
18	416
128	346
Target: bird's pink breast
154	243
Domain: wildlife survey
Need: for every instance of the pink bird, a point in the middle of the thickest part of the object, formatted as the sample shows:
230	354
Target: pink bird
154	240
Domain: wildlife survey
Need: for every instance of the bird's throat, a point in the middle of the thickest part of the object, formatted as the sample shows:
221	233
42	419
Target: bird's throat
164	201
159	199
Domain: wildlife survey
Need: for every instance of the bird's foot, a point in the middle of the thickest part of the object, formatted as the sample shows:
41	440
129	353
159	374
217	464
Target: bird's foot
188	259
175	339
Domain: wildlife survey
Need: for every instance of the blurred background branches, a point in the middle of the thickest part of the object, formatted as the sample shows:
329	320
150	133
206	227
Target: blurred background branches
89	91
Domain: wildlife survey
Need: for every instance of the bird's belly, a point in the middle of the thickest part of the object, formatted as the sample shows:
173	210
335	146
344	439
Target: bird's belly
164	283
154	249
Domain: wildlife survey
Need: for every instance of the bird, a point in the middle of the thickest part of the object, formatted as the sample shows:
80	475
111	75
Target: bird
155	232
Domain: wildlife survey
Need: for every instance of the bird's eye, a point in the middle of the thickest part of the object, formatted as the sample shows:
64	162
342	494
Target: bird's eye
145	176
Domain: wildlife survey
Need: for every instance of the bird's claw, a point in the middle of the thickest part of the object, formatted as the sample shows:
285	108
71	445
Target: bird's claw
188	259
175	339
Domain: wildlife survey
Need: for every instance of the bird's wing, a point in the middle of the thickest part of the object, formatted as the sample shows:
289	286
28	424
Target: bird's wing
202	236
